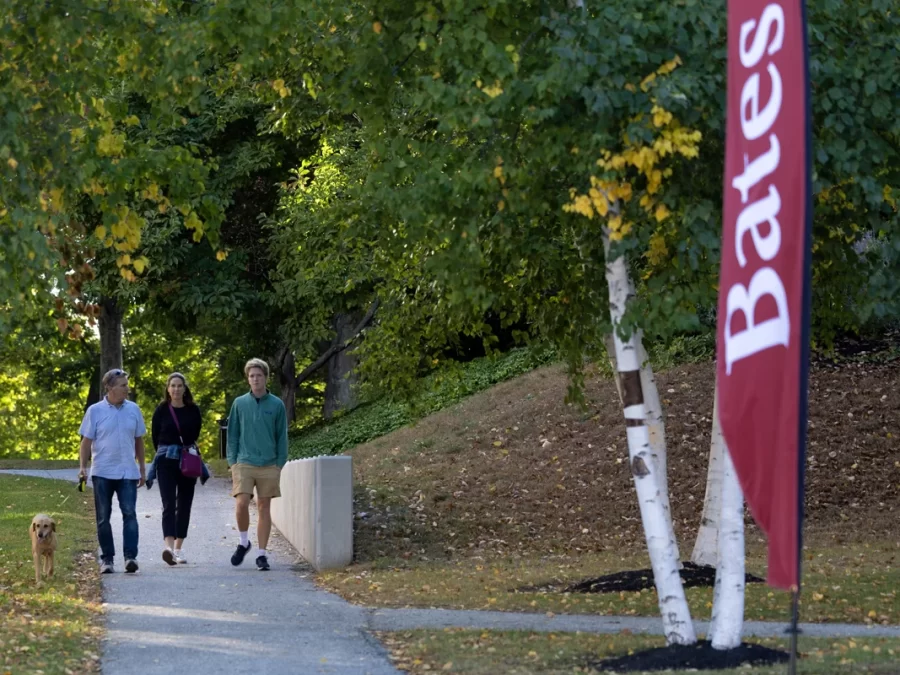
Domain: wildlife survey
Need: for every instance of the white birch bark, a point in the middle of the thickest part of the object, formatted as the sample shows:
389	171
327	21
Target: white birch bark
705	547
677	624
656	426
655	420
726	627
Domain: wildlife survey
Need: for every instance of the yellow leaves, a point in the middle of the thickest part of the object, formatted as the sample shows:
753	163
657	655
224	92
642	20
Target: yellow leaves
658	252
647	81
141	264
599	201
152	193
193	222
377	27
638	166
12	163
132	120
279	86
580	204
669	66
221	255
111	144
493	90
618	228
662	212
887	193
661	117
94	188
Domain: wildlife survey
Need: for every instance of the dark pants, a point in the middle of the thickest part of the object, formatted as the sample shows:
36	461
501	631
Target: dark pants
126	491
177	494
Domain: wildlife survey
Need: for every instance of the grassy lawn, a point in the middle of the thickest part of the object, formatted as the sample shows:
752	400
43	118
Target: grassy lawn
523	653
856	584
54	628
40	464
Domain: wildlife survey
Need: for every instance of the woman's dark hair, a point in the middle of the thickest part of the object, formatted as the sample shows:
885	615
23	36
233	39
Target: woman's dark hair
188	397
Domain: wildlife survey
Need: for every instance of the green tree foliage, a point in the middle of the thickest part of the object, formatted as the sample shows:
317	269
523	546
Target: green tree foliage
475	120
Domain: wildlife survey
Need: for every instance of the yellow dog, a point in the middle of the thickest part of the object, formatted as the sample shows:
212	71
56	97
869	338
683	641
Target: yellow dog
43	545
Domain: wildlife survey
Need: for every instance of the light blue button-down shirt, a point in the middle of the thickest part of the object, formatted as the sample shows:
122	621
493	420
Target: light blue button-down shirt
113	430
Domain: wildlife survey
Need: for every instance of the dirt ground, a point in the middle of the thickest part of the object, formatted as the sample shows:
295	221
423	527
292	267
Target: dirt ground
515	471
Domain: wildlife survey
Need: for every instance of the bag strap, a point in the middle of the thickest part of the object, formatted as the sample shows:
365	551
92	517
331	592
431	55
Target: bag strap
177	426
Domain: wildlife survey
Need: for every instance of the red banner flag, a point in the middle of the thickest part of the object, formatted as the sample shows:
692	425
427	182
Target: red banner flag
763	319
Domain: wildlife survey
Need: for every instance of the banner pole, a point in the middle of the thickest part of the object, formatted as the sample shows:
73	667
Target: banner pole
794	629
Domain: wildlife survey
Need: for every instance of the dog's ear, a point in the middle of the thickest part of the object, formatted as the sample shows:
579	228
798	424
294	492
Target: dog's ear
53	525
34	527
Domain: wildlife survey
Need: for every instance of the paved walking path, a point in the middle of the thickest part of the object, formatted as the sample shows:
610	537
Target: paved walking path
209	617
409	619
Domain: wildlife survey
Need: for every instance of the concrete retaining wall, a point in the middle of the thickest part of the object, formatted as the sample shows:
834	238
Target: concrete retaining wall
315	511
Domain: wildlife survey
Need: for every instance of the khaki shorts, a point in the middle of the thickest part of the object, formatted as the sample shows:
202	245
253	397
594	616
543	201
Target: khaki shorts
266	479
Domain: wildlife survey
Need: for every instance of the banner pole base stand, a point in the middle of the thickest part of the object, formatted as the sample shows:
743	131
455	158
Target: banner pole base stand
794	630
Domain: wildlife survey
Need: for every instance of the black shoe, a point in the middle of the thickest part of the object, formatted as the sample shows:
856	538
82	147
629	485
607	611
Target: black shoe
131	566
238	556
262	563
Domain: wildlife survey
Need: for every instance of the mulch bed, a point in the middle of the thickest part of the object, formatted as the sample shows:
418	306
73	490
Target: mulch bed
692	576
639	580
700	656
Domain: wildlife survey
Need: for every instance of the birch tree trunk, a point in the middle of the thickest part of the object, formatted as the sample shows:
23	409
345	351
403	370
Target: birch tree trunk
676	616
705	547
656	427
726	627
655	420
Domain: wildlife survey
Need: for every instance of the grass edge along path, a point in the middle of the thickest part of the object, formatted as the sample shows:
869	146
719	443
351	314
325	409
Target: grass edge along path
484	652
853	583
56	627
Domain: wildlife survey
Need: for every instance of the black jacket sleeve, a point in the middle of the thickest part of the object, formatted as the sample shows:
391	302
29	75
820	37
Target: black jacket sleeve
155	426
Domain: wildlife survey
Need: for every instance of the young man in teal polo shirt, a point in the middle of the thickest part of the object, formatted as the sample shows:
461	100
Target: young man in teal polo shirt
257	450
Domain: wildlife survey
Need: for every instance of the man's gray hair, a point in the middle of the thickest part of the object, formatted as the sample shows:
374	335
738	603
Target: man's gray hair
112	376
256	363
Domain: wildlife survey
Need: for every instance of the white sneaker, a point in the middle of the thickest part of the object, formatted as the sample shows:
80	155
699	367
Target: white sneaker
179	556
106	568
168	556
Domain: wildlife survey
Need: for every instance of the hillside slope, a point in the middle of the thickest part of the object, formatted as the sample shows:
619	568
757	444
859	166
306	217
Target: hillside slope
515	470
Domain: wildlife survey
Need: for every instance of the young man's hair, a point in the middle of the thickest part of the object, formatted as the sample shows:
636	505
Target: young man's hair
256	363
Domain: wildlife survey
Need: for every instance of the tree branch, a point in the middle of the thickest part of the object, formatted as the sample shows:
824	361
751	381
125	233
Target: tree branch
337	349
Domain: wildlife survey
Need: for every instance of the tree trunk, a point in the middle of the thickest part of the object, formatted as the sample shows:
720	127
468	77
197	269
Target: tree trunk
656	427
340	385
705	547
288	375
110	335
655	420
676	616
94	389
727	622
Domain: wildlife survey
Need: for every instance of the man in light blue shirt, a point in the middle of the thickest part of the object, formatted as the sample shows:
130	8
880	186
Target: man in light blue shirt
112	434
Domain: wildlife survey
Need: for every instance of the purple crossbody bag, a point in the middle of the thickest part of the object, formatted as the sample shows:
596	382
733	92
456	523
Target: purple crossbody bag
191	465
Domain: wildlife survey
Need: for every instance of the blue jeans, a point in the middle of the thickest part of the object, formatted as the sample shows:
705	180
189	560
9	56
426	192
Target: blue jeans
126	491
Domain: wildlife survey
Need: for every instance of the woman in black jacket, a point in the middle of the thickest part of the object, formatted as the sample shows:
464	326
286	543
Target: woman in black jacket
175	489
